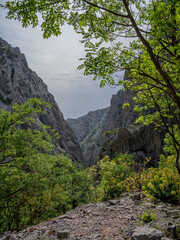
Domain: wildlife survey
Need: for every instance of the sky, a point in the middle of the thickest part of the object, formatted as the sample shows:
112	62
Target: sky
55	60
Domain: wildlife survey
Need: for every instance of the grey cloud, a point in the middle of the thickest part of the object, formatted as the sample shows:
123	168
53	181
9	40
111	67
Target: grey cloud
55	60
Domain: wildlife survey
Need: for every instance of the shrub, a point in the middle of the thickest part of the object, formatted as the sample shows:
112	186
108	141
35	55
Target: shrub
163	183
148	216
136	181
113	174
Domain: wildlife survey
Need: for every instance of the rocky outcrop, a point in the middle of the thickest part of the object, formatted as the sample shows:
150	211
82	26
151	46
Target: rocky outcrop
88	127
120	135
19	83
142	142
118	219
147	233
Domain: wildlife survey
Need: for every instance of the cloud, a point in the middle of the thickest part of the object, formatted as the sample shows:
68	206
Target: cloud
55	60
77	95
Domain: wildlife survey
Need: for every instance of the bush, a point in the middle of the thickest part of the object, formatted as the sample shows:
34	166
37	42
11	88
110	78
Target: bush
148	217
113	174
163	183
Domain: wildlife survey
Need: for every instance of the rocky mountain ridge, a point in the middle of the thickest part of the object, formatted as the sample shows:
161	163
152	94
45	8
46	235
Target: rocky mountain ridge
19	83
87	128
119	134
120	219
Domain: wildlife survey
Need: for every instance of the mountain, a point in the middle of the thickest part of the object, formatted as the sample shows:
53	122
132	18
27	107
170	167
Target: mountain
87	128
19	83
119	134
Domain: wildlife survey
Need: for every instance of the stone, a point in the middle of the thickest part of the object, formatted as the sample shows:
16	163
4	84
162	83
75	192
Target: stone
31	237
103	221
7	233
63	234
171	228
113	202
175	213
166	238
9	237
146	233
137	196
33	234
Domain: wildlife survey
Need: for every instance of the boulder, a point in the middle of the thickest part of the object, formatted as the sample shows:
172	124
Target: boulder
146	233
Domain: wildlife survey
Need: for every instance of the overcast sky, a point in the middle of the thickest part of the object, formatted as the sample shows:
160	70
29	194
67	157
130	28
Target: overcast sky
55	60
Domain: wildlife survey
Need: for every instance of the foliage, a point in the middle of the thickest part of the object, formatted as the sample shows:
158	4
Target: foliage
35	182
151	57
111	132
112	174
163	183
136	181
121	174
148	217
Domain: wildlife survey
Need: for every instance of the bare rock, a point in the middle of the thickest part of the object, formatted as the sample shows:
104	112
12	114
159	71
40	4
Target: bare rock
119	136
112	220
171	228
146	233
137	196
88	127
9	236
63	234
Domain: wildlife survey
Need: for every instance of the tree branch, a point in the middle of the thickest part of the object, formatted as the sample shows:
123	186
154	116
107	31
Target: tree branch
105	9
153	57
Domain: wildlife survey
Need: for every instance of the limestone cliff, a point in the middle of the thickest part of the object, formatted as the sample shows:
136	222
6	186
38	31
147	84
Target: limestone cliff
119	135
19	83
88	127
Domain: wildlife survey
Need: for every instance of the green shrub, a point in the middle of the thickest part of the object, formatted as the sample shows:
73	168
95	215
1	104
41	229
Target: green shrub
107	133
148	216
163	183
113	174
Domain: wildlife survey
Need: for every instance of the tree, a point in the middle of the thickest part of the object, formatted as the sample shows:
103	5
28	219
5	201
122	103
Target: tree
152	57
35	182
26	163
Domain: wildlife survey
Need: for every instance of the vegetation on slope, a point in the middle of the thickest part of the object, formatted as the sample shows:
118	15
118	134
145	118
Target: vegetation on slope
36	183
152	56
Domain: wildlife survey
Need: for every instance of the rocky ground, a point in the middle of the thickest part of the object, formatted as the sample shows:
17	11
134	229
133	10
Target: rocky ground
112	220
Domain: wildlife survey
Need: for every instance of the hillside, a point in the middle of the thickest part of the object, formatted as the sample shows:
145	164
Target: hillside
88	127
19	83
112	220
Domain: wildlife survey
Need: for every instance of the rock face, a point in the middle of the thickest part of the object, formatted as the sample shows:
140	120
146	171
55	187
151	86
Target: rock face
119	135
19	83
118	219
87	128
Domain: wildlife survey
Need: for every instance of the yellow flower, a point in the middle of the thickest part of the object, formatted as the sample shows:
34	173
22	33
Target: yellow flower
161	187
173	192
150	185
